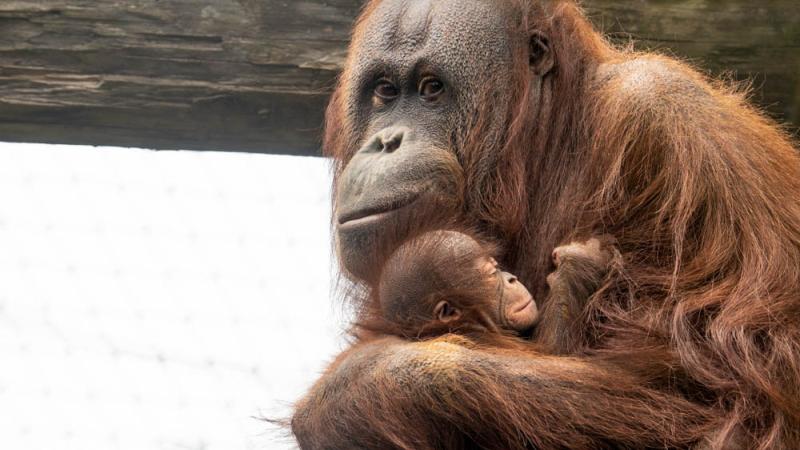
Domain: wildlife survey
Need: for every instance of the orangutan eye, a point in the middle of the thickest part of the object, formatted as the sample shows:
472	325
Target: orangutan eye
386	91
430	89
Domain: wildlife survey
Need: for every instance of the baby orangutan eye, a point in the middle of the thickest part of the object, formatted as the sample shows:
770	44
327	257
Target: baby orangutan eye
489	266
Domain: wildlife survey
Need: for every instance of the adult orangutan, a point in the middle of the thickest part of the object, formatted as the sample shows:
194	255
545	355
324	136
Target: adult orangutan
518	116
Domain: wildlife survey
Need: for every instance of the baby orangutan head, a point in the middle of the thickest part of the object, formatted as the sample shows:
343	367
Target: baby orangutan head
444	281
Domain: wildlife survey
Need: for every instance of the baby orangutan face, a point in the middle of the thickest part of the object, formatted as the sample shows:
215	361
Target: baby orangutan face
512	306
515	305
447	280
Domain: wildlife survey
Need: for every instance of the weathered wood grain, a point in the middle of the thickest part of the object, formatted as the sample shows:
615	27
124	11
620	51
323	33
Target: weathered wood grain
254	75
757	41
201	74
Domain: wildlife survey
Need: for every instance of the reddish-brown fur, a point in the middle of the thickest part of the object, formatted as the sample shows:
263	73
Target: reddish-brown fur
696	342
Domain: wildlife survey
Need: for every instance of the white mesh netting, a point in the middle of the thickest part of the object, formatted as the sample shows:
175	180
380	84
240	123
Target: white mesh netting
159	300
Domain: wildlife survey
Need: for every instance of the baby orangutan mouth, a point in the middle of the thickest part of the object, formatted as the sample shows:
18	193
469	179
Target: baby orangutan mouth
522	315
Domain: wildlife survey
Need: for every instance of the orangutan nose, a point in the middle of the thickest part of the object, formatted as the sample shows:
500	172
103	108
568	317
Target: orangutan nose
511	279
391	139
388	140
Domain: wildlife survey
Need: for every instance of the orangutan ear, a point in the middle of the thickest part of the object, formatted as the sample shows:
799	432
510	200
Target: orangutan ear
542	57
446	313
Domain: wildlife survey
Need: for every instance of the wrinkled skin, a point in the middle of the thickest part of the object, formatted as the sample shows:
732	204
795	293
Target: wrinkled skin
406	148
517	307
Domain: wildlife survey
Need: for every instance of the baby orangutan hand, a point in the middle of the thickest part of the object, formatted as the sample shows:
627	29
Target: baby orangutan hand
580	268
583	264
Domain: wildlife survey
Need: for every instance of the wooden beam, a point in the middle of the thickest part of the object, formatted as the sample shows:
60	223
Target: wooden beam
254	75
232	75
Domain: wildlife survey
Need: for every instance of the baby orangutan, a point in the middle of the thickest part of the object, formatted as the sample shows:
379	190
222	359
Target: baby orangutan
448	281
445	280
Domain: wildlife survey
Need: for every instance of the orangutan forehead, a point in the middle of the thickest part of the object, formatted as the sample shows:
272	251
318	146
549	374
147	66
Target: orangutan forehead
461	37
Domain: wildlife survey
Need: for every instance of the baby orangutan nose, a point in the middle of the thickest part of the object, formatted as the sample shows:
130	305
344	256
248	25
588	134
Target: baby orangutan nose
519	311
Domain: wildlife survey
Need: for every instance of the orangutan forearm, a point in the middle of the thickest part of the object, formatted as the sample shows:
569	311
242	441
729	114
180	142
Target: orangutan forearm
447	393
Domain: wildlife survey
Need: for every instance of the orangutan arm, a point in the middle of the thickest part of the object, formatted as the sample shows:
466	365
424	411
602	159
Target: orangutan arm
447	393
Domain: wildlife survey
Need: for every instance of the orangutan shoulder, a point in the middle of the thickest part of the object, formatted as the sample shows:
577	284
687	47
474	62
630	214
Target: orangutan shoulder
655	83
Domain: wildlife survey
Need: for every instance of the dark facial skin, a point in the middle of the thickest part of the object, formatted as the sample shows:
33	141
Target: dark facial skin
512	308
516	308
411	86
521	313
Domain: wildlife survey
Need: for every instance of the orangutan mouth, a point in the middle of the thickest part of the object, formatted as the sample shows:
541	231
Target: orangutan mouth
374	213
522	306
